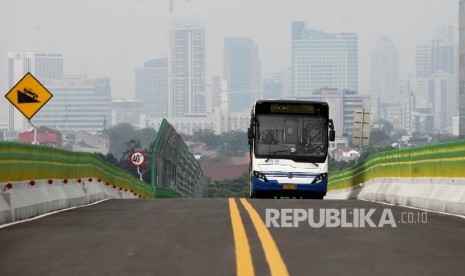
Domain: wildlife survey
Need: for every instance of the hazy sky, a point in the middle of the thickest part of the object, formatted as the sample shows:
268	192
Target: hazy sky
110	38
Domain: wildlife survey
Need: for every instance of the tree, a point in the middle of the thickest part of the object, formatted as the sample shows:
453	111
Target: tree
119	136
378	136
207	136
233	143
238	187
146	137
384	125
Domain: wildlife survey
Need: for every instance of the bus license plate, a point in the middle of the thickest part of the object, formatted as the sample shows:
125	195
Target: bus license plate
289	187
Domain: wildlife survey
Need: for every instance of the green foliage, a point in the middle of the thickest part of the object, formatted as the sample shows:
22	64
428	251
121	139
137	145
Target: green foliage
207	136
227	144
124	139
119	136
378	136
233	143
125	164
238	187
335	166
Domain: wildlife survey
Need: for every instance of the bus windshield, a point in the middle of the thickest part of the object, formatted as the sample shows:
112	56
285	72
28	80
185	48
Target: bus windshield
295	137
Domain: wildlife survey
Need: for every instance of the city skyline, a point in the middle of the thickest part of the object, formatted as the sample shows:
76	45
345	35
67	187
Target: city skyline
118	36
322	60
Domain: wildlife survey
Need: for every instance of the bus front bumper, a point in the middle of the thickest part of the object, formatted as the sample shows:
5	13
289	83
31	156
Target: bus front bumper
289	189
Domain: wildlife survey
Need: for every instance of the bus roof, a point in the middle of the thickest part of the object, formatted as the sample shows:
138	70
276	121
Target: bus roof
289	101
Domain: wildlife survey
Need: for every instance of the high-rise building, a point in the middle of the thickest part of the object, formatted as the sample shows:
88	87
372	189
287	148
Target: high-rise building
216	92
276	87
423	61
127	111
343	104
462	69
438	64
152	87
322	60
242	71
384	79
442	95
444	51
77	104
44	66
272	89
187	88
440	55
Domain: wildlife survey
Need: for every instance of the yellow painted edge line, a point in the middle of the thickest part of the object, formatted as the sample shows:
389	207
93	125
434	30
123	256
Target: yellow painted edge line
243	256
272	254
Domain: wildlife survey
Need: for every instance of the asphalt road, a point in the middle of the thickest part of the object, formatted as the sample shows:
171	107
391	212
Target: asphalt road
227	236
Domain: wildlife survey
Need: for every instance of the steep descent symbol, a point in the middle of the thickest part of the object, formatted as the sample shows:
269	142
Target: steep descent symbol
27	96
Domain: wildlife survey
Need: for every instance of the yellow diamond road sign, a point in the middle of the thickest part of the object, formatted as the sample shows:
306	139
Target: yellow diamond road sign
28	95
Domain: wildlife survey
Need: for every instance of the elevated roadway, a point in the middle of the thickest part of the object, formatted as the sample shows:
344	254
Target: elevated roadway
229	237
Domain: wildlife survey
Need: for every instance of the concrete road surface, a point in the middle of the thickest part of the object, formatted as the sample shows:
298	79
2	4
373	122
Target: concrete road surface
236	237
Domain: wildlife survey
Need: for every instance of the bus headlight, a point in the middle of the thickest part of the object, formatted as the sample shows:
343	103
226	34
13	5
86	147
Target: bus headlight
260	176
320	177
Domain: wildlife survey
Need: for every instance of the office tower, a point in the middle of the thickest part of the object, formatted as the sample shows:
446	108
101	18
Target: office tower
443	51
152	87
438	63
216	92
440	55
343	104
276	87
442	94
384	78
187	93
242	71
127	111
44	66
272	89
462	69
322	60
423	61
77	104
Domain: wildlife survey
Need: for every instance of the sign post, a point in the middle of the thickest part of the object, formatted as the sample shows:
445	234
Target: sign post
137	159
361	136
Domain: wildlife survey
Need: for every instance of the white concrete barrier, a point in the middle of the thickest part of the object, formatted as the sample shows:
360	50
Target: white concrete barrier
437	194
21	200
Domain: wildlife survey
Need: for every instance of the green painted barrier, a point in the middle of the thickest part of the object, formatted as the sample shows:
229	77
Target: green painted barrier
20	162
174	166
440	160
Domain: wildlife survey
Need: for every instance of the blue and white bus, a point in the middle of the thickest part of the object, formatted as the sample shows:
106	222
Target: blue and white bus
289	148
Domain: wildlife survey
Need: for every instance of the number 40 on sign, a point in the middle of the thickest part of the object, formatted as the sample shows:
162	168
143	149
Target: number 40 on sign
137	158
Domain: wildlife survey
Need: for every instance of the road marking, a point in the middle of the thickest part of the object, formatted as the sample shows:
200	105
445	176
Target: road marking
273	257
243	256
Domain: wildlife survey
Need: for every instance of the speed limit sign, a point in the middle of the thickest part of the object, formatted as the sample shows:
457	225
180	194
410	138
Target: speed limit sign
137	158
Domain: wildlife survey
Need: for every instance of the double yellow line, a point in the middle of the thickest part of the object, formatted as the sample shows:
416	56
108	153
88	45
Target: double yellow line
244	262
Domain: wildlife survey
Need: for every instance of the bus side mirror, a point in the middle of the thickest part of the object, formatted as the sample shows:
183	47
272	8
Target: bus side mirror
250	135
332	135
